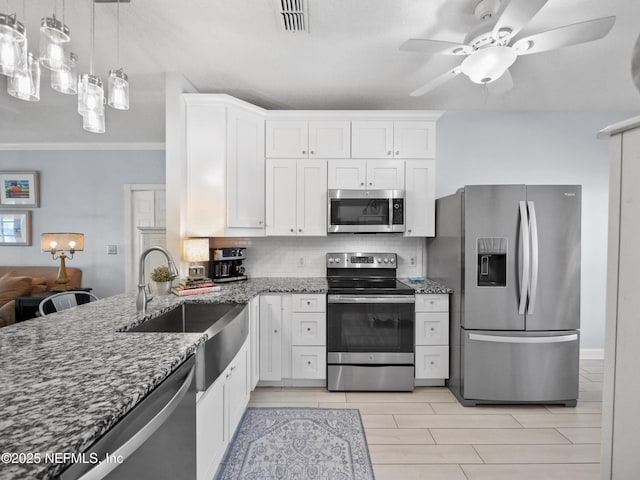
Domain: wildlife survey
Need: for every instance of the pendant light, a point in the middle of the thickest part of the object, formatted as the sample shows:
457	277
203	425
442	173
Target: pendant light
13	45
91	91
66	80
118	82
26	85
54	35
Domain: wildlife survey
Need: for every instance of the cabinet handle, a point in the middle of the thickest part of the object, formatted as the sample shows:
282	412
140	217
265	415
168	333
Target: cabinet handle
308	362
293	230
233	368
433	329
409	231
260	222
397	152
432	363
311	152
362	184
389	152
300	230
308	302
308	329
275	331
370	184
304	152
228	375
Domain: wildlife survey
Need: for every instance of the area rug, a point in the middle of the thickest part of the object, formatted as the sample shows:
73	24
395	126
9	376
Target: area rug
298	444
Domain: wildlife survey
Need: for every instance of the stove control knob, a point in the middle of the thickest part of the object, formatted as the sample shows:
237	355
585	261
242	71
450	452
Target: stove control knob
337	259
379	260
386	260
392	260
330	260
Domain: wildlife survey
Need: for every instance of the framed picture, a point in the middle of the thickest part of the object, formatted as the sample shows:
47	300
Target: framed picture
15	228
19	189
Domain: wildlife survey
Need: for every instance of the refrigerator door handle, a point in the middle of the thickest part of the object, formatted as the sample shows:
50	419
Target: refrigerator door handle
533	286
524	276
504	339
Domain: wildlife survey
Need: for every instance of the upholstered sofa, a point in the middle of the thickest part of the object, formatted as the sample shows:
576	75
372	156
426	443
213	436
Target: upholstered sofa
18	281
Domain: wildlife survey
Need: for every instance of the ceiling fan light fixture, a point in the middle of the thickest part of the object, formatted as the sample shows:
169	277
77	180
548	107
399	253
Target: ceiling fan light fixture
53	37
13	45
488	64
504	33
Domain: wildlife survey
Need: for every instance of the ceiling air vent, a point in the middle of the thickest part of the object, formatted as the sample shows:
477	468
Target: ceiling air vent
292	15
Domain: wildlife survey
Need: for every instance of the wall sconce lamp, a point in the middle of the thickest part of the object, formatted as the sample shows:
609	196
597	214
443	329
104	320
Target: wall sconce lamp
59	243
195	250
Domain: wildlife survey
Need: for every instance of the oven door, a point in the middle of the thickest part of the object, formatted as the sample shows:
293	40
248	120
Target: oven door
368	329
365	211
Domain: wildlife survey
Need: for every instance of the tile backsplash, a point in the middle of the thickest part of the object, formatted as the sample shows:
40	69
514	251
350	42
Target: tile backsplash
305	256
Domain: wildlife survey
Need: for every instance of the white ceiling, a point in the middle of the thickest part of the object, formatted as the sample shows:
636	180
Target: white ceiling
350	59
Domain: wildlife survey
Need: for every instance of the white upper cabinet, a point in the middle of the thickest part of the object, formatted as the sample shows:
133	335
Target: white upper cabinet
312	139
287	139
296	200
245	169
329	139
420	198
414	139
393	139
372	139
366	174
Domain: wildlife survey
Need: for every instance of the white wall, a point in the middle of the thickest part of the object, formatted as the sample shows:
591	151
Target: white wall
539	148
83	191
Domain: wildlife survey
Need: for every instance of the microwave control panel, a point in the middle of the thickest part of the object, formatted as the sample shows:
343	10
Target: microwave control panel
398	211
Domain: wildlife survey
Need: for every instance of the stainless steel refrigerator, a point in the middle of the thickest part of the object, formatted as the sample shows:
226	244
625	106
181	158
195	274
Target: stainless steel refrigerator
511	253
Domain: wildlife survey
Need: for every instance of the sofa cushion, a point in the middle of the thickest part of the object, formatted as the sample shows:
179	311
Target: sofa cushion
12	286
39	285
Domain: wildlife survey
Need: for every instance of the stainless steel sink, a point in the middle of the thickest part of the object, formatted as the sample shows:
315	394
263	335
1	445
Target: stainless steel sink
225	324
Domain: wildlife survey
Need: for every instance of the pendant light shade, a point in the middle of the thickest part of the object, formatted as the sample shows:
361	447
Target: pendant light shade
94	122
66	80
26	85
90	94
13	46
54	35
118	88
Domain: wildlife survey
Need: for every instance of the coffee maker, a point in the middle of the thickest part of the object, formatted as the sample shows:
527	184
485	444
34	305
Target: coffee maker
226	264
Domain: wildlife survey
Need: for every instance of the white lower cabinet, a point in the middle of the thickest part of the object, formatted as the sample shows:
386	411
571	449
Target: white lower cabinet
270	338
254	333
218	412
432	337
308	362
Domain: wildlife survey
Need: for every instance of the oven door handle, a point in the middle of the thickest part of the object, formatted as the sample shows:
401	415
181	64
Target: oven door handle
371	299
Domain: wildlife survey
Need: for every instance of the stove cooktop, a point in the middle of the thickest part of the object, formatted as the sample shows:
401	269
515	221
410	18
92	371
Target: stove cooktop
369	286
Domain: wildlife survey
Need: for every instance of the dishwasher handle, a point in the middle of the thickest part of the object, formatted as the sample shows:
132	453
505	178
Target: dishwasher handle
103	468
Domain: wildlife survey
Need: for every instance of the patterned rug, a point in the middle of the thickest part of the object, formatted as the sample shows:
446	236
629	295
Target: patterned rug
298	444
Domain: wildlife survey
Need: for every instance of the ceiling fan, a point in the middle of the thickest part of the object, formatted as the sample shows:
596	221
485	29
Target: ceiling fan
489	49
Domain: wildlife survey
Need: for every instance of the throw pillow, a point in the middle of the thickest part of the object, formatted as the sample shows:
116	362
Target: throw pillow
12	287
39	285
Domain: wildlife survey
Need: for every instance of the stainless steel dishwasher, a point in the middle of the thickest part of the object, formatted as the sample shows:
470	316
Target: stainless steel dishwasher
156	440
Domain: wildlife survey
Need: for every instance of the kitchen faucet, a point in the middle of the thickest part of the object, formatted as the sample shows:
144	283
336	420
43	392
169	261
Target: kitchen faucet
143	295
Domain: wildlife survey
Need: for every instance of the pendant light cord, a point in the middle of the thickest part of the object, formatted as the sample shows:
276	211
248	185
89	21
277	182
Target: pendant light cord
93	34
118	34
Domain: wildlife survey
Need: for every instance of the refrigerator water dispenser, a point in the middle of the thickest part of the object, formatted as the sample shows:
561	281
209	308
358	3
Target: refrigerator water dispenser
492	262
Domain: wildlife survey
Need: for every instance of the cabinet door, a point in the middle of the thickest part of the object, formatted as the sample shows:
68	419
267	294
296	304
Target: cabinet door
330	139
347	174
270	337
308	362
210	429
206	154
286	139
385	174
432	362
281	197
432	302
432	328
245	169
414	139
311	197
308	328
238	394
420	198
372	139
254	322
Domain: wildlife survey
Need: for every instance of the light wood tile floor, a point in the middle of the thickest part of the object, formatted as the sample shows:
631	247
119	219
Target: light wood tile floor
428	435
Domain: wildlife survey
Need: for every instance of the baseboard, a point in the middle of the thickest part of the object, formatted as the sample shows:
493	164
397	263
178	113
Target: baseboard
591	353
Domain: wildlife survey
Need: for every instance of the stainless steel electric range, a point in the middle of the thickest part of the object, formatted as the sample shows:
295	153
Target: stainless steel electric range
370	324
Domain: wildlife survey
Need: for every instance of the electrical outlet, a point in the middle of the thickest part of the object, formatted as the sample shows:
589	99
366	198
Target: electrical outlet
301	262
112	249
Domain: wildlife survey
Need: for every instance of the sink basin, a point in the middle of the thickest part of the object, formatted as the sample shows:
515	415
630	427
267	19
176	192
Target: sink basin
225	324
190	318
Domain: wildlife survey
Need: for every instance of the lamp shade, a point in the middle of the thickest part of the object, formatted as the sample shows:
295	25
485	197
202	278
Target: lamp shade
62	242
195	249
488	64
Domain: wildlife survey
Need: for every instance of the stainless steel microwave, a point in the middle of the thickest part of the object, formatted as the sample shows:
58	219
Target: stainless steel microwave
365	211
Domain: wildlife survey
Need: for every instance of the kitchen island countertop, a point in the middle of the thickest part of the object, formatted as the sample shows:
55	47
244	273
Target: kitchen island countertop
70	376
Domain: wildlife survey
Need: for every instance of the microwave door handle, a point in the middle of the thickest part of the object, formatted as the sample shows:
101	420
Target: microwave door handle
391	214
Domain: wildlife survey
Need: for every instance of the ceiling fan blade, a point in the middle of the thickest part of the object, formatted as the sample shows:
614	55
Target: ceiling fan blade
515	16
501	85
435	46
436	82
565	36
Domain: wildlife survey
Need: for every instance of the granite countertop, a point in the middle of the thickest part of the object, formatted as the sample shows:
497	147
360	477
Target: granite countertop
68	377
426	286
